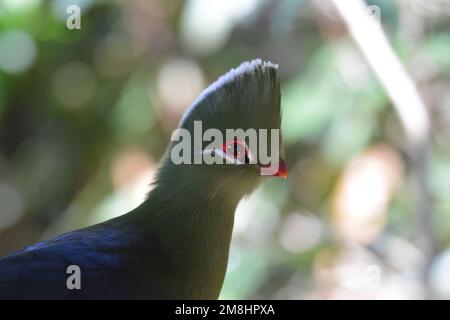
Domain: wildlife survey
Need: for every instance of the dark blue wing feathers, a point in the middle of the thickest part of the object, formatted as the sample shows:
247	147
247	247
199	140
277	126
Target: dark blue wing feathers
108	259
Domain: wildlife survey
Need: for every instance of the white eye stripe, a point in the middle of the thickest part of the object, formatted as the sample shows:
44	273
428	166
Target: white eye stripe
224	155
228	158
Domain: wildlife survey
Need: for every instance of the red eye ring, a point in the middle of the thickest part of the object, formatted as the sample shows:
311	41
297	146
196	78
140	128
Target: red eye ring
235	148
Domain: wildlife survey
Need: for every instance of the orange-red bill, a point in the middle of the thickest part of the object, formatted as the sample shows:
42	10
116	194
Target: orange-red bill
282	171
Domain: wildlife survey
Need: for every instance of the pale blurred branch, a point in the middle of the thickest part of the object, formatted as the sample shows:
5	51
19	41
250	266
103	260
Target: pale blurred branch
409	106
370	38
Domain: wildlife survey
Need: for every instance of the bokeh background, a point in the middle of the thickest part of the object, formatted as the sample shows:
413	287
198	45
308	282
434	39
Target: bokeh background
85	115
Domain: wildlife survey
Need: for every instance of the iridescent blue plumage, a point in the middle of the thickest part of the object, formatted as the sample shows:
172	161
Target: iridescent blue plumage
111	261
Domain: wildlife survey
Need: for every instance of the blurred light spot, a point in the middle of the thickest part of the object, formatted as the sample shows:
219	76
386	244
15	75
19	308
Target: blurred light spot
129	165
114	55
300	232
363	194
400	253
133	115
11	206
439	275
17	51
353	270
18	5
430	8
149	25
179	83
132	174
74	84
256	218
352	68
206	24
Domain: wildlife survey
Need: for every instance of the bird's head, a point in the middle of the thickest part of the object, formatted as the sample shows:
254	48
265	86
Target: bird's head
229	138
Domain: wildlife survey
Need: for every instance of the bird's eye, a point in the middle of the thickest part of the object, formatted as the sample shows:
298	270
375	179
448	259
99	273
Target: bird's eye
235	148
237	152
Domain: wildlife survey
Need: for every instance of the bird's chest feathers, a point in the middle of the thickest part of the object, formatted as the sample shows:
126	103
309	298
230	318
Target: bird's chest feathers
202	256
195	242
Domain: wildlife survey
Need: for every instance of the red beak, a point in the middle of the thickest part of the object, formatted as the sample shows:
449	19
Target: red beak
281	173
282	169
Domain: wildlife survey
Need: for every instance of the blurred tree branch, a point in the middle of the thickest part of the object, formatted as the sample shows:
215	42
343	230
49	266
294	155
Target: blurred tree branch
409	106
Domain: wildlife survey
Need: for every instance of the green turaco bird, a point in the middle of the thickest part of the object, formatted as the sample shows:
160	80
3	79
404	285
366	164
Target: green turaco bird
175	245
